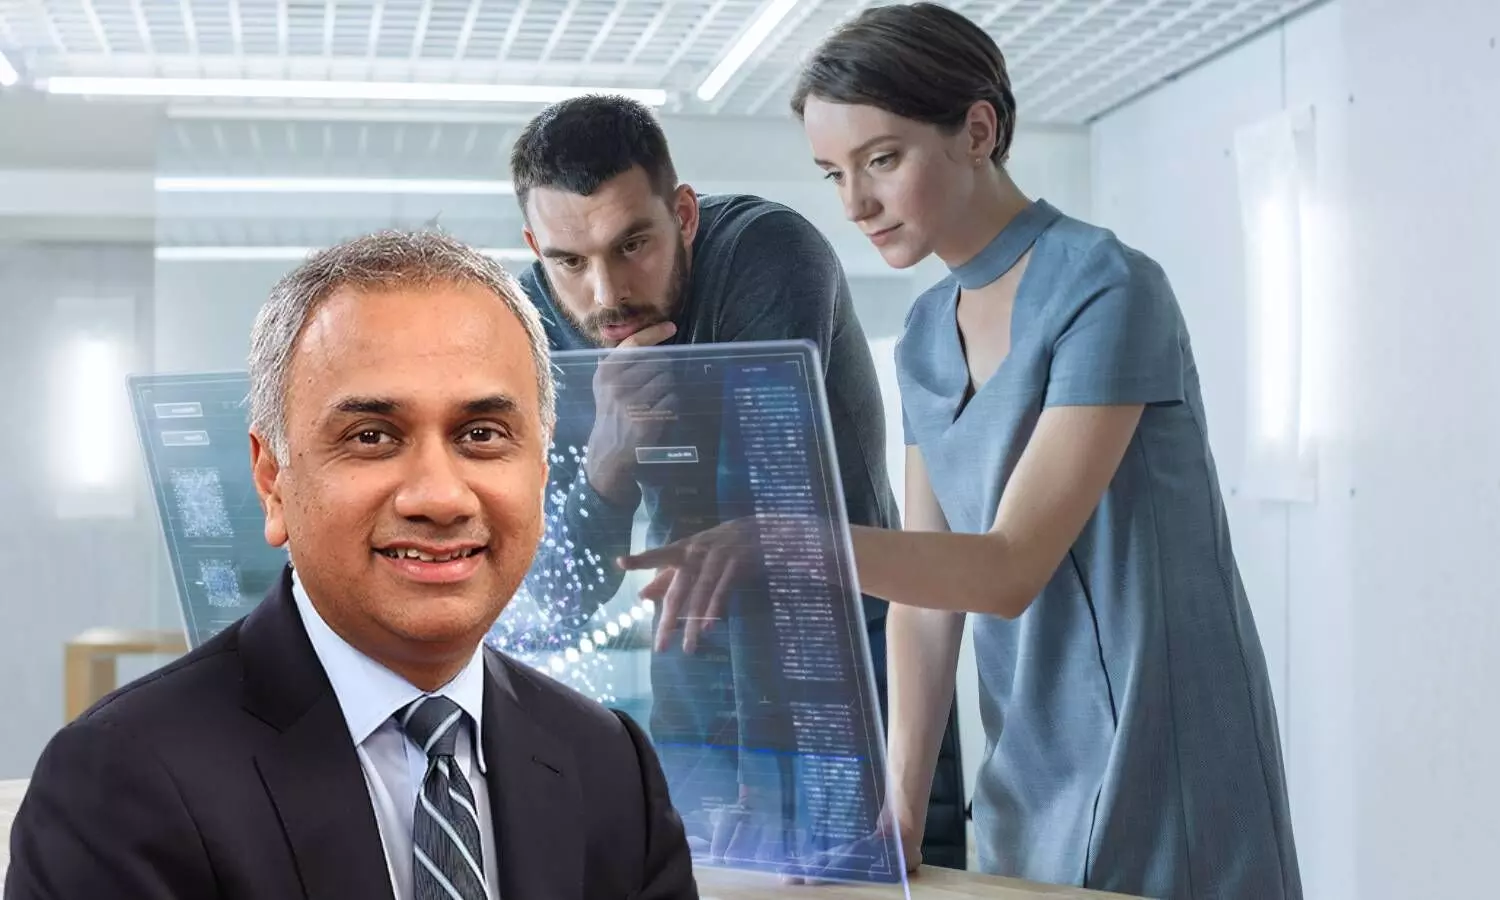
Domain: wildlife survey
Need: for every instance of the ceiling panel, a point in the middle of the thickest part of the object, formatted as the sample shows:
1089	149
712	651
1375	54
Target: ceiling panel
1069	59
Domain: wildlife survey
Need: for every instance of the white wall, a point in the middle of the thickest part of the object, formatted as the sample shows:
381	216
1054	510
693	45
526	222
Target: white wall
65	571
1378	611
1424	208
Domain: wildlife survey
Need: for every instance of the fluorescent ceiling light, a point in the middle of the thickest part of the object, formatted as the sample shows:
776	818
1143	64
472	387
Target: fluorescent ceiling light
753	37
337	90
8	73
295	254
276	185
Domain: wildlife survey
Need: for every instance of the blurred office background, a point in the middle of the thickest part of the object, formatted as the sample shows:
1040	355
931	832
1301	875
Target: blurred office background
1317	179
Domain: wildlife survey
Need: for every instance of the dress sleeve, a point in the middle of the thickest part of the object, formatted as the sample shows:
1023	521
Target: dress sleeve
1123	341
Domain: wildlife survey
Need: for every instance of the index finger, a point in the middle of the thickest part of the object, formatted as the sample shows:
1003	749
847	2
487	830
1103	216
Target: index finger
664	555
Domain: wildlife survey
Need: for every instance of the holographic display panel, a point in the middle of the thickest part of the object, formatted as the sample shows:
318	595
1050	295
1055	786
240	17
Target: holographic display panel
766	722
192	430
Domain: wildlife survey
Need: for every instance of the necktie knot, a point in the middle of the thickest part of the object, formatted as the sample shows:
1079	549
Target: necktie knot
433	723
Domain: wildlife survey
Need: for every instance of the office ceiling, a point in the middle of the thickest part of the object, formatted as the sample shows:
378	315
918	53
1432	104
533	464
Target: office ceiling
1070	59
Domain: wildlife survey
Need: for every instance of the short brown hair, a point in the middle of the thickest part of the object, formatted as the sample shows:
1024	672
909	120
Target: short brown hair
921	61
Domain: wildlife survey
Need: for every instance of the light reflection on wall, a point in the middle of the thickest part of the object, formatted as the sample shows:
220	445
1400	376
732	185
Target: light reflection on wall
91	449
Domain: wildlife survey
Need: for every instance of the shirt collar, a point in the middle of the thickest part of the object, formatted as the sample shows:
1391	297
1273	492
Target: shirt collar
1006	249
369	693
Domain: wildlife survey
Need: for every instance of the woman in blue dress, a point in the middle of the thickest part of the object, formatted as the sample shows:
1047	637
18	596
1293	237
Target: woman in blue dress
1059	489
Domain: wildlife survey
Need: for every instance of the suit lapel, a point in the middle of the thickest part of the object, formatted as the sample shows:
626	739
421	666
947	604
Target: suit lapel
311	771
535	802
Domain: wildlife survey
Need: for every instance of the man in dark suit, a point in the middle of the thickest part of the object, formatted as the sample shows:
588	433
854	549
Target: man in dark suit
352	737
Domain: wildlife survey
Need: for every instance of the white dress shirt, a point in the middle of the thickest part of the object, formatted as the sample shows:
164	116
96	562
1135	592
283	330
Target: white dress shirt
394	766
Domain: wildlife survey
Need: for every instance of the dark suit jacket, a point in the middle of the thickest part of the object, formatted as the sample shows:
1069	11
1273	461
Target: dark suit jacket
231	774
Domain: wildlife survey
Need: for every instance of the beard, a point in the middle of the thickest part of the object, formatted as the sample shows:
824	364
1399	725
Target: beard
641	313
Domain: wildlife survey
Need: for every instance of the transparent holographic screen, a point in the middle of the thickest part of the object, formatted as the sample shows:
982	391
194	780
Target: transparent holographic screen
770	732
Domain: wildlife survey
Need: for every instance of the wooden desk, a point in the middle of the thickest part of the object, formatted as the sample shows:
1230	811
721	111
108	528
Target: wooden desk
89	662
929	884
720	884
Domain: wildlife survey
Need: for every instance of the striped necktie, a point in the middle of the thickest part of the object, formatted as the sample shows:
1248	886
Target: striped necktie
447	860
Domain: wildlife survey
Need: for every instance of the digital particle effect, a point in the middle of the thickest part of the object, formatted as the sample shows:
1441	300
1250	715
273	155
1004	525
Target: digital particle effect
557	622
199	496
221	582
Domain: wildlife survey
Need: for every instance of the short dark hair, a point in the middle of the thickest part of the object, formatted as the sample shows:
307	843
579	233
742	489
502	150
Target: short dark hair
580	143
920	61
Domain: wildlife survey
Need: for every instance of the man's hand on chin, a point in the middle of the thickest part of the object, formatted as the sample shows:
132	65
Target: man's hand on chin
633	401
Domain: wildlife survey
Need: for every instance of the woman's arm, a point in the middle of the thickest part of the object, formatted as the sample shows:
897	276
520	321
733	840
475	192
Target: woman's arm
921	657
1067	464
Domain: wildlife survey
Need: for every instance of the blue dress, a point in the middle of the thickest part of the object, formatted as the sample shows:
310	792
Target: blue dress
1131	738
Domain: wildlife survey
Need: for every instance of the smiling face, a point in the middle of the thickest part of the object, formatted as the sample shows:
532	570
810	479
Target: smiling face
905	183
617	259
411	497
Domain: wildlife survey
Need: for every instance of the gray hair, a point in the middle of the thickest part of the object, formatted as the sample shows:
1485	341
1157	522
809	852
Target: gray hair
379	261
